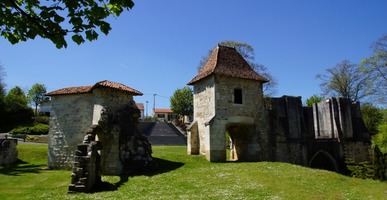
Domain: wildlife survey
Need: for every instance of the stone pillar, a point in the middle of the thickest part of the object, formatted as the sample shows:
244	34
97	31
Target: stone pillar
216	150
8	151
193	142
86	173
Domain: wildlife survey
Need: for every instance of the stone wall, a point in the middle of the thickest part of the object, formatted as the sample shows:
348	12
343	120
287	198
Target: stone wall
204	106
333	118
71	117
251	96
358	151
112	147
287	130
332	130
8	151
216	112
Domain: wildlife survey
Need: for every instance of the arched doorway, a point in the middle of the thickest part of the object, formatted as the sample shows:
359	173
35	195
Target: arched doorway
323	160
239	139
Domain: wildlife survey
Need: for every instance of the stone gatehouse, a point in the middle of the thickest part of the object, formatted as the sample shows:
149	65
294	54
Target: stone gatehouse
103	114
231	112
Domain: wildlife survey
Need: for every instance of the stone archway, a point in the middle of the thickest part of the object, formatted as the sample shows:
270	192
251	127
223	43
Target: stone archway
324	160
240	139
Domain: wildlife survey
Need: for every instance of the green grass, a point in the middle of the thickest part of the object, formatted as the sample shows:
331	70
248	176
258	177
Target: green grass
181	176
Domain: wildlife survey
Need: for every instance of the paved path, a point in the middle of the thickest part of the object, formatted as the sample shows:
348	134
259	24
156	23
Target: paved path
166	134
2	135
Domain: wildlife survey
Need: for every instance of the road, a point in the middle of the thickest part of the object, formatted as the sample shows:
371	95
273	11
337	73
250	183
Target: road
2	135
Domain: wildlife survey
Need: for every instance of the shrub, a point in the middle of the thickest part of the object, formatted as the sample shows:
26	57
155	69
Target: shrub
380	165
31	129
32	138
42	119
362	170
380	139
372	117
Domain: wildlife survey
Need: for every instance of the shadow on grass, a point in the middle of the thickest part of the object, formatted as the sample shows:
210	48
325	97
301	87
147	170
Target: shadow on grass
106	186
20	167
162	166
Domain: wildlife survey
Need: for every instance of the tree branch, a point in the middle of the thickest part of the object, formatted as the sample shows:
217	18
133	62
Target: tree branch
33	19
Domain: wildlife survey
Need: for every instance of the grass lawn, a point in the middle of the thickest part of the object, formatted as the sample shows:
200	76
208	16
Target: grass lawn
181	176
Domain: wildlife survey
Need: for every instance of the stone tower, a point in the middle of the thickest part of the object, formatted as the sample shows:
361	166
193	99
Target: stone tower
227	100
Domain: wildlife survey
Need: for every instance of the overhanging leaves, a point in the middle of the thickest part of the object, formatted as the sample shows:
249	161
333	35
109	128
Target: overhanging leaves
21	20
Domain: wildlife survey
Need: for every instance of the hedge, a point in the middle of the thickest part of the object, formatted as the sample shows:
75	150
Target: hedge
34	129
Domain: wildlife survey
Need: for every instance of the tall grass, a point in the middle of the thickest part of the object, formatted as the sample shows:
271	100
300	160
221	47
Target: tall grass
180	176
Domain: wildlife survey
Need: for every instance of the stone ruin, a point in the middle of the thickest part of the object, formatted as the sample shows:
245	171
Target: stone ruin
8	151
128	152
93	131
229	103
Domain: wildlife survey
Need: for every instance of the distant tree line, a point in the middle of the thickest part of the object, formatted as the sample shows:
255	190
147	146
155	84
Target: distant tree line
14	104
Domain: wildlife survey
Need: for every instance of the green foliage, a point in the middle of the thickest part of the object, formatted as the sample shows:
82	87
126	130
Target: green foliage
31	129
372	117
15	100
54	20
380	164
9	120
42	119
181	176
182	101
2	90
36	95
36	138
380	139
362	170
313	99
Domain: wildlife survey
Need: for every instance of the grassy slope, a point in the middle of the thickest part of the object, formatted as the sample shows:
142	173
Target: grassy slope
188	177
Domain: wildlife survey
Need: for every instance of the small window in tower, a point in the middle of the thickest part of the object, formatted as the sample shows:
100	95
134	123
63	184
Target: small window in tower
238	96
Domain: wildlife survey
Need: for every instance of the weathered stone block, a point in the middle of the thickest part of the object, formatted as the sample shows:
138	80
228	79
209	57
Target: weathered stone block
8	151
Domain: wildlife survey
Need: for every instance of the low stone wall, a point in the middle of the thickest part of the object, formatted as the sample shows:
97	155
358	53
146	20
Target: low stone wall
8	151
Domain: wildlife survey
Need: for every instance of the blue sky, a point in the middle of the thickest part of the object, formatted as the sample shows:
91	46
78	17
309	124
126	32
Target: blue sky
156	47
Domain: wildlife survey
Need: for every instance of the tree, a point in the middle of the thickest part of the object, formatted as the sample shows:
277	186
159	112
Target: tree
372	117
380	139
376	67
346	79
247	52
313	99
36	95
54	20
2	89
182	101
15	100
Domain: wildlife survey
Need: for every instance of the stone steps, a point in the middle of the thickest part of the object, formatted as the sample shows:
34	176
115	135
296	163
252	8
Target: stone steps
164	134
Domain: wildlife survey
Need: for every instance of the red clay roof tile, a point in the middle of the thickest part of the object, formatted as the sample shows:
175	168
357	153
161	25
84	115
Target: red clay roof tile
162	110
227	61
140	106
89	89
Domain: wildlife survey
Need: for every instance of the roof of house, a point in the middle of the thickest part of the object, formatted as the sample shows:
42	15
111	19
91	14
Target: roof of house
162	110
140	106
227	61
89	89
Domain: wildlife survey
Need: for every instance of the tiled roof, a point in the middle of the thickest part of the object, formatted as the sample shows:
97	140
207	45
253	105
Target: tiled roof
163	110
140	106
227	61
89	89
